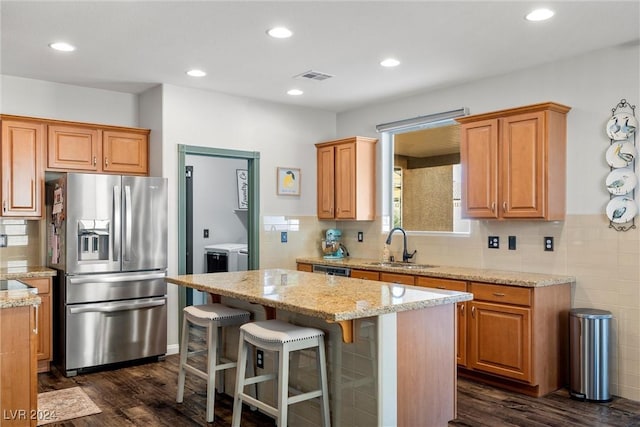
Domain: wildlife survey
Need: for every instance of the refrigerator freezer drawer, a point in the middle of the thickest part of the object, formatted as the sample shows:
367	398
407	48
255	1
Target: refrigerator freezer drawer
104	333
116	286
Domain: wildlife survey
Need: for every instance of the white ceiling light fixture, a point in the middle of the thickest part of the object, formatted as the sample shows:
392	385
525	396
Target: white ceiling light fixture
280	32
196	73
294	92
62	46
539	15
390	62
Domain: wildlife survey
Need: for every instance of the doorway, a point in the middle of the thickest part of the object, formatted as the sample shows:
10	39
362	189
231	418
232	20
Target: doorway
248	217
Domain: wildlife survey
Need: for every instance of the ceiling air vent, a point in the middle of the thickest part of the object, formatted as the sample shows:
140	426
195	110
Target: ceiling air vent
313	75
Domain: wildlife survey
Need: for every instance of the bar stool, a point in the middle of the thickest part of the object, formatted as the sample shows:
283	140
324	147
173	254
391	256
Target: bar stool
213	317
281	338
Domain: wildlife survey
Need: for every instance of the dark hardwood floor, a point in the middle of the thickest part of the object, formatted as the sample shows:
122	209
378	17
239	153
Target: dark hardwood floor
144	395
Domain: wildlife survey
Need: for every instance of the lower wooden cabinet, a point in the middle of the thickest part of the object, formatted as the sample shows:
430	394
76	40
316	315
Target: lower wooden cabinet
44	349
305	267
18	377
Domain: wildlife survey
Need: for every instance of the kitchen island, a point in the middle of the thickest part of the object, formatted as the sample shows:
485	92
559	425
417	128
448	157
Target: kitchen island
391	347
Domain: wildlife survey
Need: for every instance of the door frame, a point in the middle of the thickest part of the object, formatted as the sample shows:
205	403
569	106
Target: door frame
253	221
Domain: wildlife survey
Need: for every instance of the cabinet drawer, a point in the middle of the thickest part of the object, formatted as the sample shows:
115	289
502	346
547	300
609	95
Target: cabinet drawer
404	279
43	284
502	294
438	283
365	274
305	267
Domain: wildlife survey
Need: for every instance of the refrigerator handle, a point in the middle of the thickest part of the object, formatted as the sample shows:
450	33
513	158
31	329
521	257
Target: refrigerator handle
116	222
126	253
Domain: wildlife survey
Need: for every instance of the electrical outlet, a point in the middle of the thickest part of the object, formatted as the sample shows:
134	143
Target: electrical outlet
3	240
494	242
283	237
512	243
260	359
548	244
360	236
206	233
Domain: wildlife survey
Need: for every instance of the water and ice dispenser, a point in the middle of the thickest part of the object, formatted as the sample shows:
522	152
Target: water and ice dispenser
93	240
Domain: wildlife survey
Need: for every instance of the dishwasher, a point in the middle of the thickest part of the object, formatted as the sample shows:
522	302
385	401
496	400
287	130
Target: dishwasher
332	270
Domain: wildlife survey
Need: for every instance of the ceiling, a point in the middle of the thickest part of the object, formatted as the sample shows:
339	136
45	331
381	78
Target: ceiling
130	46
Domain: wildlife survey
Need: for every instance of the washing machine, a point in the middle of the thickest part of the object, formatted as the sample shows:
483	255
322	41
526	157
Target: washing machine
223	257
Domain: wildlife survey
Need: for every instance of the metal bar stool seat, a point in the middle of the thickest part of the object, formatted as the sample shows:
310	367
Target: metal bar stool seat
213	317
282	338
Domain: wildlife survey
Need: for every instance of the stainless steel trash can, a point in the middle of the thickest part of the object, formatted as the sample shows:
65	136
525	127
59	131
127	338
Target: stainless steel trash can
589	331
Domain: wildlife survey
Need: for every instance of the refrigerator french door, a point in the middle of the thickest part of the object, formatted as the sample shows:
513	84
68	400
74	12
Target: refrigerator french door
108	239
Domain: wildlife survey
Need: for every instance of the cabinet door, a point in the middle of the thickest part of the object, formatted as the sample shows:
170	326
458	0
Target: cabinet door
22	168
345	197
305	267
500	340
125	152
326	182
522	165
44	322
479	159
74	148
452	285
18	376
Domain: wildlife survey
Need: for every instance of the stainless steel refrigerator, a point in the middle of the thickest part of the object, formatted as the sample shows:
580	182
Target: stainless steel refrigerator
107	237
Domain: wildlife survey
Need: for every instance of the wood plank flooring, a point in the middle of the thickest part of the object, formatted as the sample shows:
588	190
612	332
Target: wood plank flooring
144	395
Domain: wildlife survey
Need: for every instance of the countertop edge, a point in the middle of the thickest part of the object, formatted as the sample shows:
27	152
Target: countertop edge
500	277
31	272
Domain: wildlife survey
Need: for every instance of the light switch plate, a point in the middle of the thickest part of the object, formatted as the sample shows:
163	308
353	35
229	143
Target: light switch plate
512	243
3	240
360	236
548	244
283	237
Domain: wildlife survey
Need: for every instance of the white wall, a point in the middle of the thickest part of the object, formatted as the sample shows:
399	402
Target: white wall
283	135
37	98
591	84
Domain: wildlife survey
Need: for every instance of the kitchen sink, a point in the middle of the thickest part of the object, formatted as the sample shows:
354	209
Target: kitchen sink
400	265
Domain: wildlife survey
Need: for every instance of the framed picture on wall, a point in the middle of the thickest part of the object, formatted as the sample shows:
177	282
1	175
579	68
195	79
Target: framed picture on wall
288	181
242	179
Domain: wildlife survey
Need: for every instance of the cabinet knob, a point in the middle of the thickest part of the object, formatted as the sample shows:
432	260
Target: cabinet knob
95	161
498	294
473	311
4	205
106	162
462	309
493	207
504	206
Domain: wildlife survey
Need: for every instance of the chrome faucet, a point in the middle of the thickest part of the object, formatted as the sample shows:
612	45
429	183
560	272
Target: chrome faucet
406	256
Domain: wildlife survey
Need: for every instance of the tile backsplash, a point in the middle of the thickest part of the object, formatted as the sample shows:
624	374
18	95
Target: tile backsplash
606	265
25	242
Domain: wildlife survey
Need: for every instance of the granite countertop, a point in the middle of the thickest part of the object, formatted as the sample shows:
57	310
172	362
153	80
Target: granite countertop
27	272
331	298
14	293
502	277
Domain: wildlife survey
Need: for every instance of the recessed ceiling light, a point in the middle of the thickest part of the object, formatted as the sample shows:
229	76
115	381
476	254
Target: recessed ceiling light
294	92
280	33
196	73
62	46
539	15
390	62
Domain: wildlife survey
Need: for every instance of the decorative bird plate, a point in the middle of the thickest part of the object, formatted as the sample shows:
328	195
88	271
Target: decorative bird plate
621	181
621	209
621	154
621	126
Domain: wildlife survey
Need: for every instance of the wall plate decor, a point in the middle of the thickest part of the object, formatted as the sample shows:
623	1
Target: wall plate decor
621	154
621	181
621	158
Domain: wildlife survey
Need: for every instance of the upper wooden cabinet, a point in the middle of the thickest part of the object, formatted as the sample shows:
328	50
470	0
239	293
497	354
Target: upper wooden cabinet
347	179
22	173
514	163
91	149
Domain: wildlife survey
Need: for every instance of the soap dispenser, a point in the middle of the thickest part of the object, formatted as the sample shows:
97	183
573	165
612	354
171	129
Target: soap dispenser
386	256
